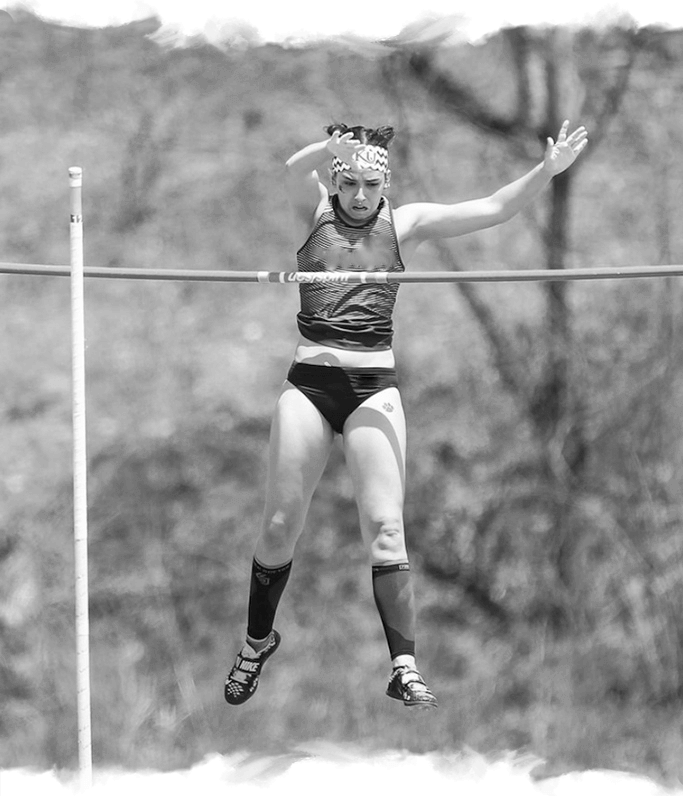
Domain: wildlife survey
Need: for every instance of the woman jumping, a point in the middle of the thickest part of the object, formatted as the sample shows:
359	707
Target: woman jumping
343	378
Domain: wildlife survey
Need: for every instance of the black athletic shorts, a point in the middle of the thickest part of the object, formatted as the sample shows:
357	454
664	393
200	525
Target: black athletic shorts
337	392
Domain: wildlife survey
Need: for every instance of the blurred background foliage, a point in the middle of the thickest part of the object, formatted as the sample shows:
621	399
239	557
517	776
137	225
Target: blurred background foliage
544	501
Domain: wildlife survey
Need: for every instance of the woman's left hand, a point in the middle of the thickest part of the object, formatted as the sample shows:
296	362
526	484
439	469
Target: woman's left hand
561	154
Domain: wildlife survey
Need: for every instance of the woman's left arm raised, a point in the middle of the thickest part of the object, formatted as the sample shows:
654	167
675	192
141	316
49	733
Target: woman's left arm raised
427	220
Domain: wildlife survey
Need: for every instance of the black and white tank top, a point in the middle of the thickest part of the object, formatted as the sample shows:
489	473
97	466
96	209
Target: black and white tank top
349	315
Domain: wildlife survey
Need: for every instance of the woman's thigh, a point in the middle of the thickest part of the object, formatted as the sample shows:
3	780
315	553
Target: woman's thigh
375	450
300	443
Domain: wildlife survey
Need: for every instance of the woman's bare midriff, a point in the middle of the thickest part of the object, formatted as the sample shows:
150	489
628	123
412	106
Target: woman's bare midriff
319	354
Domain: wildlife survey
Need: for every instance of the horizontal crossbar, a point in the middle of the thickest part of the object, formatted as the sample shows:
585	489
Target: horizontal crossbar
350	277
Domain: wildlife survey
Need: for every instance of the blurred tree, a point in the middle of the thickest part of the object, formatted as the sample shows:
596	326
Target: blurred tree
550	74
181	382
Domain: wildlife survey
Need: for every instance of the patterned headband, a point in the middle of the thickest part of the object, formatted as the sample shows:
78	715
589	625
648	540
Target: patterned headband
368	157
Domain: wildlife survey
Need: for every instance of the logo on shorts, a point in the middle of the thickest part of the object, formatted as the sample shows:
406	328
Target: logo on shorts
388	407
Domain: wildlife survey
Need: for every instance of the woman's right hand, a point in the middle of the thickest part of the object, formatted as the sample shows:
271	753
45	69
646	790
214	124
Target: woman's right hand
344	146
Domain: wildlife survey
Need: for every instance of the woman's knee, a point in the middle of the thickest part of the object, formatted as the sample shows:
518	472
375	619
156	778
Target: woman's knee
281	528
386	539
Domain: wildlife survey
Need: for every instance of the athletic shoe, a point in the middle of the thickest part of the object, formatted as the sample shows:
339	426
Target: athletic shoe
407	685
243	679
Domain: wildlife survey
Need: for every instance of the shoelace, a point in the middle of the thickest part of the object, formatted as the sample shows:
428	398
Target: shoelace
404	673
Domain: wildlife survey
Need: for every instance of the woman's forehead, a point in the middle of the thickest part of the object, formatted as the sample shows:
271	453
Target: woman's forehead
363	174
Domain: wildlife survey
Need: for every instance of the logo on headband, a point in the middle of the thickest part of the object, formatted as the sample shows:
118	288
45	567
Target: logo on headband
368	157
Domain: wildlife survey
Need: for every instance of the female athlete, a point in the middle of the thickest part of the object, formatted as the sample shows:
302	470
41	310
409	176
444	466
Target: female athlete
343	379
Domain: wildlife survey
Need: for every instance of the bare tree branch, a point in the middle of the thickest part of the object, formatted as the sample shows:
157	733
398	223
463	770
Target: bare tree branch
613	94
458	99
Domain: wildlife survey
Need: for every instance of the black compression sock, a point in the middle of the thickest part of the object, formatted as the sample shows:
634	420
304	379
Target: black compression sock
267	585
393	591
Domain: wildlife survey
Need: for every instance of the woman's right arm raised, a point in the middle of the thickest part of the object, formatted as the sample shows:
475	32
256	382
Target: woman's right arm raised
305	190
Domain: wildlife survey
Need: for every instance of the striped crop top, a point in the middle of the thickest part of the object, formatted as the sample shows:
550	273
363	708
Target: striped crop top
347	315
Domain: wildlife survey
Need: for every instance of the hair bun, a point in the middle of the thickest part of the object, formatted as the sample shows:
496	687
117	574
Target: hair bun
380	136
336	128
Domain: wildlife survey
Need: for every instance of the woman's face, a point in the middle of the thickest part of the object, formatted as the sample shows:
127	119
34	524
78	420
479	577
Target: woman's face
360	192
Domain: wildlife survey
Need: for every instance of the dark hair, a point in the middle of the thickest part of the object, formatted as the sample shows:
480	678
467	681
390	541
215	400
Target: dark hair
380	136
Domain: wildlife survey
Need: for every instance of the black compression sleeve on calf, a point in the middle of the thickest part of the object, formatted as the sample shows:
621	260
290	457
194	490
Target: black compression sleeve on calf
267	585
393	591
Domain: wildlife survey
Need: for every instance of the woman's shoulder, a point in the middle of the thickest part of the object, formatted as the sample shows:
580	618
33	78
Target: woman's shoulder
306	224
406	218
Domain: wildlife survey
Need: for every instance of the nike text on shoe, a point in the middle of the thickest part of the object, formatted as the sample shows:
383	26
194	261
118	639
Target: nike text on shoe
243	679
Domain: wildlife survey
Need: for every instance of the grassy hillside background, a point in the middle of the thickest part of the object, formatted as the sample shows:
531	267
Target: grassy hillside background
546	630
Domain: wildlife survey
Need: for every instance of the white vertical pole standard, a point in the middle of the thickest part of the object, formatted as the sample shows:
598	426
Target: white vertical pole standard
80	469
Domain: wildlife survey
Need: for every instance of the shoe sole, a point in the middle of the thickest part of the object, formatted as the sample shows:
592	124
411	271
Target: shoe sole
423	705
